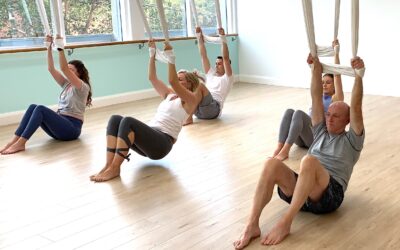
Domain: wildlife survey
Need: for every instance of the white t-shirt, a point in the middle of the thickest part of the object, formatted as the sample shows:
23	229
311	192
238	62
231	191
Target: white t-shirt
219	86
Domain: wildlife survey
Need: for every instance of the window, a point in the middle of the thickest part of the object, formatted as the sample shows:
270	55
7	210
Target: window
19	23
206	16
174	13
85	21
89	20
103	21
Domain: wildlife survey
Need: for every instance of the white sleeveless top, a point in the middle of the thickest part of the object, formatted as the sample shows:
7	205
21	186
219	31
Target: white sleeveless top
170	116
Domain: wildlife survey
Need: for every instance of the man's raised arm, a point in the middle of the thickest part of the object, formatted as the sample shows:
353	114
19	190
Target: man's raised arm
202	49
317	113
356	117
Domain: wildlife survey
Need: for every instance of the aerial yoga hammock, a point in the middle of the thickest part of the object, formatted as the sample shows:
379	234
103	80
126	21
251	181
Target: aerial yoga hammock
58	21
325	51
162	56
208	39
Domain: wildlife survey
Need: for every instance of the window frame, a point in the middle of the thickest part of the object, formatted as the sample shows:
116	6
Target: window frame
127	26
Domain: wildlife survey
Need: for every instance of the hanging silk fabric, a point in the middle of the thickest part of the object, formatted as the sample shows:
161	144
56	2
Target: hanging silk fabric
161	56
325	51
58	21
208	39
43	17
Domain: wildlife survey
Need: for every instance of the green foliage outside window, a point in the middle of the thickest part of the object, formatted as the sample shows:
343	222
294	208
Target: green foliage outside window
20	18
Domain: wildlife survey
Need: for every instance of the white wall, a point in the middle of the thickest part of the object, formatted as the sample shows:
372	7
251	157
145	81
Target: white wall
273	45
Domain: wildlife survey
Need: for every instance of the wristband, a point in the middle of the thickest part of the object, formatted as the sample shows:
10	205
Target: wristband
59	43
223	38
152	51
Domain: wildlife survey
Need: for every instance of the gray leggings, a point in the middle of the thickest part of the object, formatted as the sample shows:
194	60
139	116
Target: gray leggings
148	142
296	128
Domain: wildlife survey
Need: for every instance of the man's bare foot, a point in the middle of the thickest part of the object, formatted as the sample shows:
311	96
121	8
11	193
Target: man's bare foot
107	174
248	235
277	234
14	148
278	149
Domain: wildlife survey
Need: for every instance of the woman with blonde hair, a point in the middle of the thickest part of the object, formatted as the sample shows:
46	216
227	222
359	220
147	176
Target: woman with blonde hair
155	139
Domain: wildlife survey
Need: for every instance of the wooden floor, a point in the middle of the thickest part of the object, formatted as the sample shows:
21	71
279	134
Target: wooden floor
199	196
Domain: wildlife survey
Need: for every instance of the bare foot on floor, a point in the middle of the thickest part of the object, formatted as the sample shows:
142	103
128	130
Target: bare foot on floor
247	236
101	171
106	174
6	147
12	149
277	234
14	140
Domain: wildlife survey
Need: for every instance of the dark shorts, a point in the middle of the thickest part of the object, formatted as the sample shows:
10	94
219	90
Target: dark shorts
330	200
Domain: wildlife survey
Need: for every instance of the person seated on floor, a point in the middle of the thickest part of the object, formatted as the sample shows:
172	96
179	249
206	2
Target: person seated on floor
324	172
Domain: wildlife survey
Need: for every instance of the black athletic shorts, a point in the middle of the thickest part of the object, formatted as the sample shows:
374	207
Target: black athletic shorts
330	200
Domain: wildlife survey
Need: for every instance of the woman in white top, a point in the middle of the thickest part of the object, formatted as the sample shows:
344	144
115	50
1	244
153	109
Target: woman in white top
153	140
64	124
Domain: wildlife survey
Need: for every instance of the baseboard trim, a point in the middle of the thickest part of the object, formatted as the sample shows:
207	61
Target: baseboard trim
265	80
99	102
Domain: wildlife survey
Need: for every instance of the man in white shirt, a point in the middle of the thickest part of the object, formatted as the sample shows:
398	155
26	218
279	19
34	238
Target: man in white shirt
219	80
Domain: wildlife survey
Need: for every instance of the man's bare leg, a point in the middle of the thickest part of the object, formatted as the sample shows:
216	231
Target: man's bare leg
16	147
284	153
113	170
311	183
275	172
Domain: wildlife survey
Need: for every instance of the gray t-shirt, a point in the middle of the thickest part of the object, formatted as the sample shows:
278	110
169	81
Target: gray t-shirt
337	153
72	100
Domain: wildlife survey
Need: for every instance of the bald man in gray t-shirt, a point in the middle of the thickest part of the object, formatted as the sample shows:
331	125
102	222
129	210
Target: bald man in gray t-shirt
337	153
324	172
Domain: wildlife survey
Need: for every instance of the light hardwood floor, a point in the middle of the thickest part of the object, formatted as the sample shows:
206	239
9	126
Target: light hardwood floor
199	196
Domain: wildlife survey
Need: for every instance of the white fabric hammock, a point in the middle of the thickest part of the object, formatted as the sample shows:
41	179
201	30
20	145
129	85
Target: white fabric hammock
58	17
208	39
316	50
162	56
43	17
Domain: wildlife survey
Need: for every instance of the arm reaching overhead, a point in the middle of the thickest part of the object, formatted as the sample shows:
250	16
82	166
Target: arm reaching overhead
72	77
185	94
225	54
356	116
317	113
158	85
202	49
338	96
58	77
